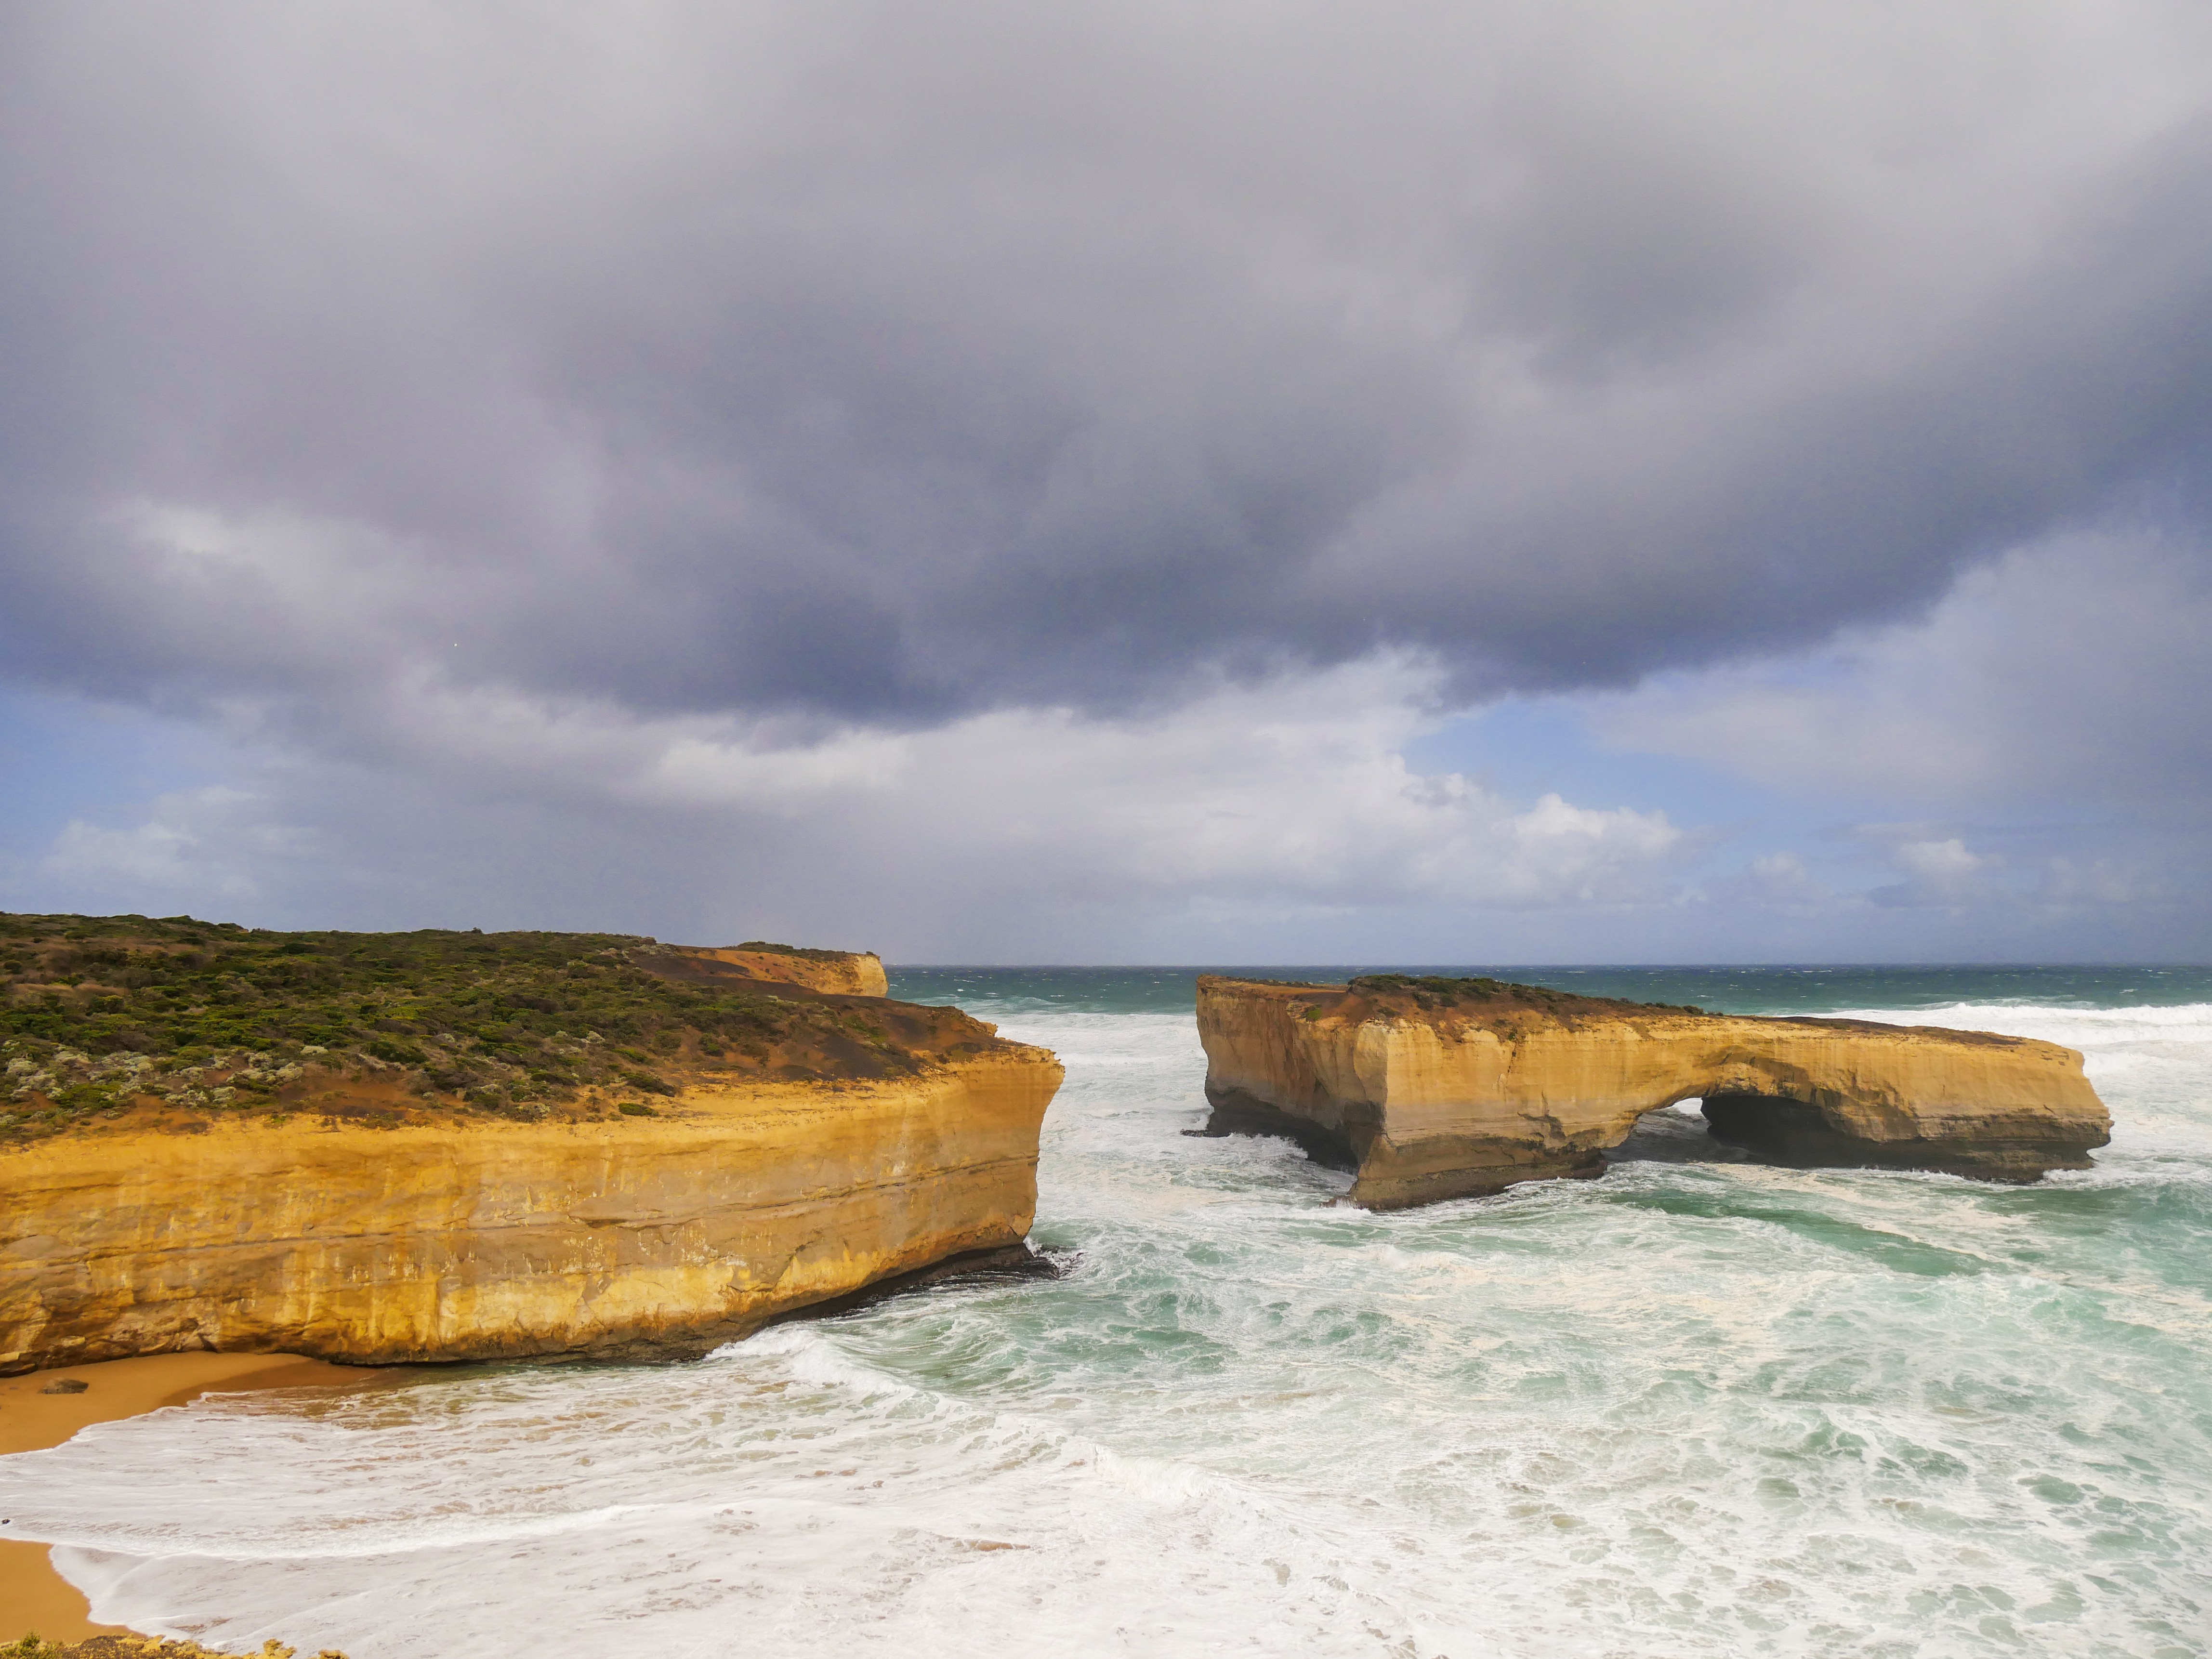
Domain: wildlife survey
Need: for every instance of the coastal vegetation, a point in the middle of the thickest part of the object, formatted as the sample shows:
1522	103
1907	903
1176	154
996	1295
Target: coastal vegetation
175	1020
1428	991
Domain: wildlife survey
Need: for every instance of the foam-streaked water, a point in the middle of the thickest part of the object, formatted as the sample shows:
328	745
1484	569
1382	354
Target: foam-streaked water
1693	1409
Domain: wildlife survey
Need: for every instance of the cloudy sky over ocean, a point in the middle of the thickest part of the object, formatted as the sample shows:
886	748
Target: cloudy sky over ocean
1481	482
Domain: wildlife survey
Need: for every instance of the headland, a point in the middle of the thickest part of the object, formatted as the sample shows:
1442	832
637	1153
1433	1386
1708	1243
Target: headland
386	1148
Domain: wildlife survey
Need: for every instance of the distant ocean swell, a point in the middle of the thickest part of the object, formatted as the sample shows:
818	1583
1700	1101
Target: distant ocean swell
1698	1407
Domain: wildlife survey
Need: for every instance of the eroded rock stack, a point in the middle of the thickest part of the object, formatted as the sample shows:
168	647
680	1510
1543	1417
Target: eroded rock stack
1433	1088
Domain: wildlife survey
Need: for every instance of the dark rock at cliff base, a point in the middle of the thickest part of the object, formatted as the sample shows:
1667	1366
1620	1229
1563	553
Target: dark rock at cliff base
1008	1265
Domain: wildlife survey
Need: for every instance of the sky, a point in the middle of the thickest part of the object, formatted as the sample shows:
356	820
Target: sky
1503	481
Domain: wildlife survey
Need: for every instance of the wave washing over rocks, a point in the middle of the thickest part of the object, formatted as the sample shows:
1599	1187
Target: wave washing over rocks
1699	1406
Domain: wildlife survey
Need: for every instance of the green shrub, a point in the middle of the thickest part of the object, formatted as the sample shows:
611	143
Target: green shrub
566	1011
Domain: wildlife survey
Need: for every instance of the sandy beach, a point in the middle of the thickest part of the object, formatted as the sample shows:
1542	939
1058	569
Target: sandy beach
33	1596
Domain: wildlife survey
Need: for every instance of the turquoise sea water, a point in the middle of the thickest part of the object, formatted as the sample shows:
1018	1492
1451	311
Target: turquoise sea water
1699	1406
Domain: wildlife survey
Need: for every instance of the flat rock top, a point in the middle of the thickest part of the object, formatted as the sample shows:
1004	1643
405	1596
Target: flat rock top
1506	1007
859	973
110	1023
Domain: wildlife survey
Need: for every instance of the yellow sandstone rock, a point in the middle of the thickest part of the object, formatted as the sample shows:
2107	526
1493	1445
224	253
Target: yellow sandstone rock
849	973
640	1238
1432	1092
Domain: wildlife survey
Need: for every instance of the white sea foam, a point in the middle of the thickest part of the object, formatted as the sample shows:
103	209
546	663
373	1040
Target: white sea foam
1694	1408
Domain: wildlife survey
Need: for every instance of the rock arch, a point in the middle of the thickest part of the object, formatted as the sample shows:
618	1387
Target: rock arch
1432	1089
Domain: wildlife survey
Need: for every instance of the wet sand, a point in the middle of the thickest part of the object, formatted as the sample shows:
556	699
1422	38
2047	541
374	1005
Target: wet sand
33	1596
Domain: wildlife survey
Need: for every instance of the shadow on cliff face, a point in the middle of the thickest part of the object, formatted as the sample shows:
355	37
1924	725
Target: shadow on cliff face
1793	1134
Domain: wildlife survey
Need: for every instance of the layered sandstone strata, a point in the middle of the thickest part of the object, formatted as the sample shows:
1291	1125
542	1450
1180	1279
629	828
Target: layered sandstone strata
1434	1088
654	1236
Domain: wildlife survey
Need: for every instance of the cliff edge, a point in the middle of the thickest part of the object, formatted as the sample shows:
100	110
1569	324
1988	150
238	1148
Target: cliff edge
850	973
514	1145
1433	1088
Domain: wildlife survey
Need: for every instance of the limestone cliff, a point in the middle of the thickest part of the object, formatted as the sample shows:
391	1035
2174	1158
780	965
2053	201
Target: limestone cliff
854	973
1434	1088
448	1145
637	1237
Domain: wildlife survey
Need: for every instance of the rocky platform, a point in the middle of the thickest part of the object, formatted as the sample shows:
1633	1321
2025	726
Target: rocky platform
1432	1088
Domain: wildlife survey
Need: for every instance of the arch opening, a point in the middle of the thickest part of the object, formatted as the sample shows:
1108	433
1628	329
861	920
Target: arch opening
1718	1127
1676	1133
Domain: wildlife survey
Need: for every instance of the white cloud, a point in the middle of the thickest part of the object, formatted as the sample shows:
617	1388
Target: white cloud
1937	872
2075	668
151	856
1293	792
1295	787
2094	881
215	843
1940	860
1782	879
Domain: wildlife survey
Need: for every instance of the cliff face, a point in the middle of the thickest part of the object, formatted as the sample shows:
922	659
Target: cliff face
445	1145
628	1238
849	973
1435	1089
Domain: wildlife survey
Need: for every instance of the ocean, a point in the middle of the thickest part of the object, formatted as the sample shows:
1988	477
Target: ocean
1699	1406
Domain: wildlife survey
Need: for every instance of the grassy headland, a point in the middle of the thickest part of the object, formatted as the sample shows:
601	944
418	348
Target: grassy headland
109	1019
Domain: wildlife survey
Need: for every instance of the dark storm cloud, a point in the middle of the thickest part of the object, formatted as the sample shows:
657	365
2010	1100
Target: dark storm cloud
894	361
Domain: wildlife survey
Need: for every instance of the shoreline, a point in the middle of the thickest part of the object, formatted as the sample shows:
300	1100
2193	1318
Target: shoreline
34	1595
